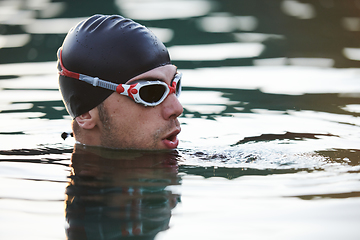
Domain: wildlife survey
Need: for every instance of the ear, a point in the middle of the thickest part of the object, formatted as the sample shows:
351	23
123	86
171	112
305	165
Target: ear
87	120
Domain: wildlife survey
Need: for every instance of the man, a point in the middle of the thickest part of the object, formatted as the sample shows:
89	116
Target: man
118	84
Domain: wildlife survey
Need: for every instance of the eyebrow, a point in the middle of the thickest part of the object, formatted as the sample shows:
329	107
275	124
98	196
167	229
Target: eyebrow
151	79
144	79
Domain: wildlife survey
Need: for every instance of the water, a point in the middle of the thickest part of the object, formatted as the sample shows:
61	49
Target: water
270	130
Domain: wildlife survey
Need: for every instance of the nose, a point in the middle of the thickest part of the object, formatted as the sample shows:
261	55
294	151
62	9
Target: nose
171	107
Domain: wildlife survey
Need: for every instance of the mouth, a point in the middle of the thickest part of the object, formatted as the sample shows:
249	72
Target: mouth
171	141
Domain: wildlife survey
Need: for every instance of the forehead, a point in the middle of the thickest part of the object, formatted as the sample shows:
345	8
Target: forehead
164	73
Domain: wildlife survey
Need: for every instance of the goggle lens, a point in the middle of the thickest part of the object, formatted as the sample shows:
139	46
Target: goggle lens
152	93
178	88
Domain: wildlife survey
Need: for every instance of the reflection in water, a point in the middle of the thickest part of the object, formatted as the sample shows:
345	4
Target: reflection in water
155	10
324	32
114	194
13	41
215	52
52	26
248	101
287	135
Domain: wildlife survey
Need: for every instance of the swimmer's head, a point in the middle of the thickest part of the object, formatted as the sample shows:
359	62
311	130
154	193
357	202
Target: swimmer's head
111	48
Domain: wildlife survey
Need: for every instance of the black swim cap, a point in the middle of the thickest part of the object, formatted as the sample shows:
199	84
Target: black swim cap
112	48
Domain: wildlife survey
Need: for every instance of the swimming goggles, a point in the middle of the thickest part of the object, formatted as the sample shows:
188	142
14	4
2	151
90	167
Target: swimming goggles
148	93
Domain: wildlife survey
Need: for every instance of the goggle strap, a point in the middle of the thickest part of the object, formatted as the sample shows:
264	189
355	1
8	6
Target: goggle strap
96	82
127	90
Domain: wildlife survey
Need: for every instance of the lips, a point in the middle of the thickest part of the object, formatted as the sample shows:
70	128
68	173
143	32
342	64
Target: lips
171	140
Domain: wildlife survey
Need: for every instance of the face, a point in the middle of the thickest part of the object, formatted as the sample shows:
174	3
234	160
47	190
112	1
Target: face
126	124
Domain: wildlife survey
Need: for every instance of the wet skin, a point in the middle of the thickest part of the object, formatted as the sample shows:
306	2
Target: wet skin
122	123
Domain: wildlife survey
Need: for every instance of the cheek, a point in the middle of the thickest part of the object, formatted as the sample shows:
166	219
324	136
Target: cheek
136	119
150	116
129	116
146	127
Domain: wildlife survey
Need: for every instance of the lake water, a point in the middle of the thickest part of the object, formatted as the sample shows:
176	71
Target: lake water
269	147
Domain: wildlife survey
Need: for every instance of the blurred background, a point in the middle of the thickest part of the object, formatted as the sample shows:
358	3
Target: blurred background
199	33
